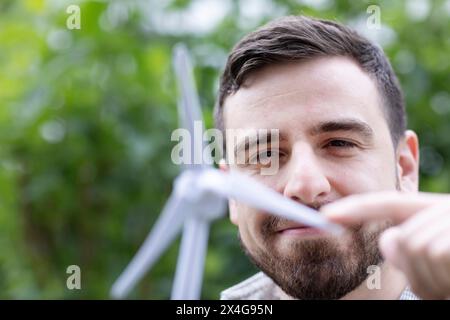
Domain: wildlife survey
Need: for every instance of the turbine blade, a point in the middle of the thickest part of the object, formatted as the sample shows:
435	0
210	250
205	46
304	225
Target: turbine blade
161	236
191	260
189	105
249	191
191	110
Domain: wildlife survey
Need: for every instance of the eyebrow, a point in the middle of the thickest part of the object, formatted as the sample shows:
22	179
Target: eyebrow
347	124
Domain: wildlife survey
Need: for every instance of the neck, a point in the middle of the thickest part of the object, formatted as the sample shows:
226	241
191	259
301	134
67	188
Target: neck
390	285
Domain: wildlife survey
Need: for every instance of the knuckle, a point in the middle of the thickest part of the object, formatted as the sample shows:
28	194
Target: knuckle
403	240
438	254
416	247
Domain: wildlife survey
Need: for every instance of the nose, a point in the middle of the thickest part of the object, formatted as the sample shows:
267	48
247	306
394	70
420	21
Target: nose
306	181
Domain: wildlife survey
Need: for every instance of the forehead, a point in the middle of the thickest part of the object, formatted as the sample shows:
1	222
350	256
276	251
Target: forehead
298	94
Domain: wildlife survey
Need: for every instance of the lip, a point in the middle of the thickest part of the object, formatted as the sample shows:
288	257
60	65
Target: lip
300	231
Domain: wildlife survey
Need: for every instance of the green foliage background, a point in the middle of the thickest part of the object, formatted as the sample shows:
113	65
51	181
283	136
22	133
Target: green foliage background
86	117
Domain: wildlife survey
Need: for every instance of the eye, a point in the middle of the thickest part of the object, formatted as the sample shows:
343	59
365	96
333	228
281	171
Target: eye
264	157
341	144
267	156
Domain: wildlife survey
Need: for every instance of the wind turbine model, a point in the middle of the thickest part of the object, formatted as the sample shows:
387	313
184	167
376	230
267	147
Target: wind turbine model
198	198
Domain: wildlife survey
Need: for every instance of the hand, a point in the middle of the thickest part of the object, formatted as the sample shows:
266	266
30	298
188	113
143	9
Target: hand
418	244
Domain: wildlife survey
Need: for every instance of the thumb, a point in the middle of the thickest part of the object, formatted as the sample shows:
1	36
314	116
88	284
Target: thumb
389	245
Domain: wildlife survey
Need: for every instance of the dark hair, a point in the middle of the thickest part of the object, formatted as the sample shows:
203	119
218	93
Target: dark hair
298	38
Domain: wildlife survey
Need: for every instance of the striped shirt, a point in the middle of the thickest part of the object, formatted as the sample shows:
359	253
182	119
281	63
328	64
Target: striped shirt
261	287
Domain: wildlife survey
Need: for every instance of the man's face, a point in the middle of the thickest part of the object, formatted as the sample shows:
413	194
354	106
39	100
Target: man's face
334	142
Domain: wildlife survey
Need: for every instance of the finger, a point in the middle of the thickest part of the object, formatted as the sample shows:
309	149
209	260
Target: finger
394	255
388	244
440	251
425	284
392	205
415	271
435	241
417	236
423	227
423	232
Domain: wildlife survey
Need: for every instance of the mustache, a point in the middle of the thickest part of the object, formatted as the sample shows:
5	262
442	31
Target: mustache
273	223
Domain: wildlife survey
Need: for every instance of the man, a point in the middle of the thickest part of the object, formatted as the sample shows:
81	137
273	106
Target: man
339	110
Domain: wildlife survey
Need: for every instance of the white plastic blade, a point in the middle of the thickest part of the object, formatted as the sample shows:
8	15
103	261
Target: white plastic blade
189	109
247	190
166	228
191	260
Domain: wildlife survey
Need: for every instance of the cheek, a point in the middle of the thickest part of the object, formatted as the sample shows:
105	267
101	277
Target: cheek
362	176
248	222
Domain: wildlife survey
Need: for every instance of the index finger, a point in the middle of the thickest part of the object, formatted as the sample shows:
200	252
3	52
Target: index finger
393	205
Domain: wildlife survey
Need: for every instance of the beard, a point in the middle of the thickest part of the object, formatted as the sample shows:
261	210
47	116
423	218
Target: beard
322	267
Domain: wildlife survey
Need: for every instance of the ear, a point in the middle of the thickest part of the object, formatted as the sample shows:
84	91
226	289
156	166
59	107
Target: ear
408	162
223	166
